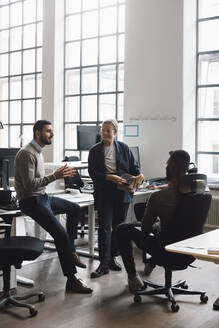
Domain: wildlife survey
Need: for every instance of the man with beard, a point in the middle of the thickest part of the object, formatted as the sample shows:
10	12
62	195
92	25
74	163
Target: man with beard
162	205
30	184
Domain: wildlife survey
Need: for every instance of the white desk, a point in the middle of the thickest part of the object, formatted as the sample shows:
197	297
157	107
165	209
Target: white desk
76	165
197	246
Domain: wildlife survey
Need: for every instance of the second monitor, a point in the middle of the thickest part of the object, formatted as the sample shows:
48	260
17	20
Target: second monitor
87	136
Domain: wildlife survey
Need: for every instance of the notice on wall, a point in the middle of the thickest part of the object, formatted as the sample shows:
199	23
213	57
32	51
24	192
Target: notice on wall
131	130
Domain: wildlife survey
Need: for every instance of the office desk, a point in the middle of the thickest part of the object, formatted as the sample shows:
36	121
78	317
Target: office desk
56	165
197	246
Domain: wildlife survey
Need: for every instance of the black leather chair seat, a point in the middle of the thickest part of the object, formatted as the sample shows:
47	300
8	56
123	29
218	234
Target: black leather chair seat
17	249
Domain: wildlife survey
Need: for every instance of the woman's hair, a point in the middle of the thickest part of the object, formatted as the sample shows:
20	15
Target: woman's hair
113	122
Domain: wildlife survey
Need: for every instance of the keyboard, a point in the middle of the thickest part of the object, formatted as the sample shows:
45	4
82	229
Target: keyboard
87	188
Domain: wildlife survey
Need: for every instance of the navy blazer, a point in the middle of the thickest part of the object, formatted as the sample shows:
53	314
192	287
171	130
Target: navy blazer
125	163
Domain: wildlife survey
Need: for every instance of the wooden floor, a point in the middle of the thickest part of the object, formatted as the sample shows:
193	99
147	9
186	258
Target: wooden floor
111	305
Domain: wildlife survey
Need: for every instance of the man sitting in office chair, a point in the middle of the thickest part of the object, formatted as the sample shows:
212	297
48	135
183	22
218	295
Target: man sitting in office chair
30	183
161	204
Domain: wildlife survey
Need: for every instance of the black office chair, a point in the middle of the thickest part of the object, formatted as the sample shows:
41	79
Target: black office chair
13	251
189	220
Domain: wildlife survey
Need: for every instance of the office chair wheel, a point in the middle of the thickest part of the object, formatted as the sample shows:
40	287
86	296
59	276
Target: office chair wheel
137	299
204	298
41	298
33	312
174	307
184	286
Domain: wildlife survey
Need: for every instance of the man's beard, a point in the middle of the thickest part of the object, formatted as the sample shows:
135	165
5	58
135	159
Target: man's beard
45	141
168	174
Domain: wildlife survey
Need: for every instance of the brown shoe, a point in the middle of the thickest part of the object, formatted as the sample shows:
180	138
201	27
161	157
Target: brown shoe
78	262
77	286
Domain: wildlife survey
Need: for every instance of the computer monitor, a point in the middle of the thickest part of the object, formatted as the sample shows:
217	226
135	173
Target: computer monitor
87	136
8	154
135	152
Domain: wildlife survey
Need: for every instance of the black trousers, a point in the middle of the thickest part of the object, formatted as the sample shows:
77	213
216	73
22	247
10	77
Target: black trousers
112	212
40	209
128	233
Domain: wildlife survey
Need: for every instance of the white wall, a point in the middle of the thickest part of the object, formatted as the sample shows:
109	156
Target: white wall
154	72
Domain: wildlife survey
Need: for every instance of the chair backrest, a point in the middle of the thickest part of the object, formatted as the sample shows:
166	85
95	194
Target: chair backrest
189	219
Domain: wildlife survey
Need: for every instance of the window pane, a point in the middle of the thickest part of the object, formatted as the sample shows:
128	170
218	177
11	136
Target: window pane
209	69
121	48
73	81
29	11
39	59
4	36
208	8
70	136
90	24
121	18
108	78
16	14
15	112
73	6
208	136
29	36
108	20
39	9
89	52
29	61
120	106
15	88
38	109
4	2
15	136
4	89
107	2
88	4
39	34
15	63
89	80
208	35
108	49
15	38
72	54
29	86
72	109
4	137
39	85
4	112
73	27
3	65
27	134
208	102
121	77
89	108
209	165
4	17
107	107
28	111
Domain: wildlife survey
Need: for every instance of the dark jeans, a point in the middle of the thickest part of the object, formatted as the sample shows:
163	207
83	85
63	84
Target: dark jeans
40	209
110	215
128	232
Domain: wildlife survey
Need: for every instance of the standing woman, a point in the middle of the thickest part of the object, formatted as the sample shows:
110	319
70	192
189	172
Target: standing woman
108	160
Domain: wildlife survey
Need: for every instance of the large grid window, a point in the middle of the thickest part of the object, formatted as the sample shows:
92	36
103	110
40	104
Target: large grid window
20	69
207	145
94	66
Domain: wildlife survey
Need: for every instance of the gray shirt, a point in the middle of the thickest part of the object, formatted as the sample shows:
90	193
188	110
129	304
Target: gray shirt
161	204
30	179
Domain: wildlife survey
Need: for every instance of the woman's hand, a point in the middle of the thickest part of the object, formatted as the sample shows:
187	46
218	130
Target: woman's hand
115	179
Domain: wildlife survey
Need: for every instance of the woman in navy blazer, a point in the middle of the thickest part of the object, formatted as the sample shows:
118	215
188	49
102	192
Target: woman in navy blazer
108	160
